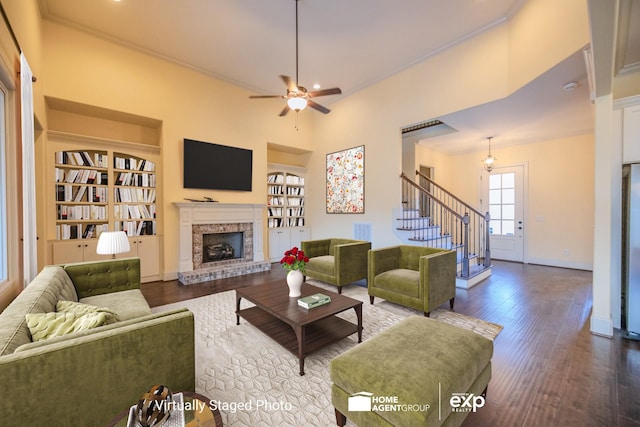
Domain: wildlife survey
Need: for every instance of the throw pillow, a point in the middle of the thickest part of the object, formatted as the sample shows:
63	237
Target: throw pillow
47	325
80	308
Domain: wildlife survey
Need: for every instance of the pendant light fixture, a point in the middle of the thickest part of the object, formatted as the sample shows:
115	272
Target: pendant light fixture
489	161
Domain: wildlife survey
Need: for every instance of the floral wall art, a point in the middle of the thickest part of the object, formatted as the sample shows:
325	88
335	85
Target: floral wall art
345	181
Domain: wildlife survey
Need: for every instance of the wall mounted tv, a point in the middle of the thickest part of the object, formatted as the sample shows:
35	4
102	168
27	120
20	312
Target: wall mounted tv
217	167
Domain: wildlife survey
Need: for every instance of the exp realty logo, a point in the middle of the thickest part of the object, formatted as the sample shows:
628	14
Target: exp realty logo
466	402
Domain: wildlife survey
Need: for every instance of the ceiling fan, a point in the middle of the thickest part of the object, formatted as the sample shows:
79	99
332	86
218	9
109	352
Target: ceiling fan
298	97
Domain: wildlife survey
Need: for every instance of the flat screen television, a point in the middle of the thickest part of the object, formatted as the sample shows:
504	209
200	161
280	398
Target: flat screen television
217	167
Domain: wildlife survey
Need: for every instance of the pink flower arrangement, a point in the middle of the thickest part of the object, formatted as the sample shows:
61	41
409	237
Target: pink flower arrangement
294	259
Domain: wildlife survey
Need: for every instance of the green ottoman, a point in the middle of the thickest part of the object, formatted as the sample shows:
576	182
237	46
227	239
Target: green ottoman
419	372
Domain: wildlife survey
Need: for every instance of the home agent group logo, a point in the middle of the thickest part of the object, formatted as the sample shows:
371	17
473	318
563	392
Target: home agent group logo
364	402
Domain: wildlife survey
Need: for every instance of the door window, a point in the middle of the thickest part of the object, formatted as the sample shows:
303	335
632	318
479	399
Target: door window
502	203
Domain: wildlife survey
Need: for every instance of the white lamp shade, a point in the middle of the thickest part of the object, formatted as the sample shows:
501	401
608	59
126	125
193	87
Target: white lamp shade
113	242
297	103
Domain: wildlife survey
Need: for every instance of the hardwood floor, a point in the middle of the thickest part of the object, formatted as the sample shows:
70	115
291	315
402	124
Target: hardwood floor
548	369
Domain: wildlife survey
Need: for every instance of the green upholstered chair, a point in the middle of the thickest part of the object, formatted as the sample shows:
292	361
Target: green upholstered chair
336	261
414	276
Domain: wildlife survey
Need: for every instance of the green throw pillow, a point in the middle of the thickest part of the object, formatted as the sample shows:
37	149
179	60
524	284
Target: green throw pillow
48	325
80	308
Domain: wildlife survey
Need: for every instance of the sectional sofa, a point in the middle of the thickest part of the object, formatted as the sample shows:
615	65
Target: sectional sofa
86	378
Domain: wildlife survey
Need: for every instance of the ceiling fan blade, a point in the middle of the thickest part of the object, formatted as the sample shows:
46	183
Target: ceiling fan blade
266	96
325	92
284	111
291	85
318	107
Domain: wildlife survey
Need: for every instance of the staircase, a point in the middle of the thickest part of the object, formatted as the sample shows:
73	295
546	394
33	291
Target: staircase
432	216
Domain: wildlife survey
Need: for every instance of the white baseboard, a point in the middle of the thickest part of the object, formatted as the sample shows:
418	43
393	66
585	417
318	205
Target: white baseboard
561	263
601	326
470	283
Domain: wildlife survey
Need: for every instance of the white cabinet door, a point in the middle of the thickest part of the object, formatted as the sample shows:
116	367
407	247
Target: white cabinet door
75	250
279	240
67	251
147	248
283	239
298	234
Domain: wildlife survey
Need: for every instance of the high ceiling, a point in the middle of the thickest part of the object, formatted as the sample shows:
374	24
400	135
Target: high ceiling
350	44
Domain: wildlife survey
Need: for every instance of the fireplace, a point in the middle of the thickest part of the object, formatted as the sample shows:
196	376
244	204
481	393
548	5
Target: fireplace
219	240
217	244
221	246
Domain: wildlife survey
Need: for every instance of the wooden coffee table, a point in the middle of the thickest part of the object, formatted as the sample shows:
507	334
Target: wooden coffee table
298	330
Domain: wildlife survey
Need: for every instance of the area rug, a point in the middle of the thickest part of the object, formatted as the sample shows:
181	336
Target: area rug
255	382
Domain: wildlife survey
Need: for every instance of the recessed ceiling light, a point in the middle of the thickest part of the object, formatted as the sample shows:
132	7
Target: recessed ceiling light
316	86
570	86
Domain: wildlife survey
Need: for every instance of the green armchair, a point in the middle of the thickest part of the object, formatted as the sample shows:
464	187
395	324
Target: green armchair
414	276
336	261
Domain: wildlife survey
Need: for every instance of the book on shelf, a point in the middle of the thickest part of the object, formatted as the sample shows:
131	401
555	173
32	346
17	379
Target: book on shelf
314	300
295	180
132	163
134	228
81	158
275	179
76	231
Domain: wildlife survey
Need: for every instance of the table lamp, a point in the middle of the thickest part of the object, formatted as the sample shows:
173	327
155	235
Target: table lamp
112	243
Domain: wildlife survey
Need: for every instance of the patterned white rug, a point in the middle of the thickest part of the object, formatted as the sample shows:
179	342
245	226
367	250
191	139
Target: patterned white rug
255	382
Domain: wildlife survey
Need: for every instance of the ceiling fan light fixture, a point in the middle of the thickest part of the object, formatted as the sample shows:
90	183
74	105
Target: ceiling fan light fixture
297	103
298	98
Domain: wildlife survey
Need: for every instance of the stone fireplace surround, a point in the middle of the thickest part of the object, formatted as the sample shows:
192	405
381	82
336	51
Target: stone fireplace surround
199	230
199	217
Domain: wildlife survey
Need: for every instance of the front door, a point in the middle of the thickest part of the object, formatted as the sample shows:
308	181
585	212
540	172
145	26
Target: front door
503	199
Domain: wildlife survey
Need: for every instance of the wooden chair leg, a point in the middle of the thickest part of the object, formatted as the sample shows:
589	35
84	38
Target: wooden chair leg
451	302
371	297
427	314
341	420
340	289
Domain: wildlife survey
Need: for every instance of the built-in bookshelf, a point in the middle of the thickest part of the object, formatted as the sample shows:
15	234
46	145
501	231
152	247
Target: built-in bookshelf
94	187
134	207
117	156
285	200
81	192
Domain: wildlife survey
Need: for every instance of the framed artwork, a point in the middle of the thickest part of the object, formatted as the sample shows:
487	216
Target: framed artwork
345	181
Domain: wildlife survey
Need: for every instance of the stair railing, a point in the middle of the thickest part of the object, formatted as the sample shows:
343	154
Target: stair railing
478	220
465	228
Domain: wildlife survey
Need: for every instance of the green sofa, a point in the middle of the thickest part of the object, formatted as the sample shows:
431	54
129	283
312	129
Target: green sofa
336	261
87	378
414	276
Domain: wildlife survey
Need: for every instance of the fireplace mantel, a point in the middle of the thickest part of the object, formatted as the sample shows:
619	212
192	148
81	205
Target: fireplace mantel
194	213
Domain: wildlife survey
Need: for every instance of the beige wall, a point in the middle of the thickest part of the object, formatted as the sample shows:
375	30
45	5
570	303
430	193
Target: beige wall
375	116
483	69
559	196
88	70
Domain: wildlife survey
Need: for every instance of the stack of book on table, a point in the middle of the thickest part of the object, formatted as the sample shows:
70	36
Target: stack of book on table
314	300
